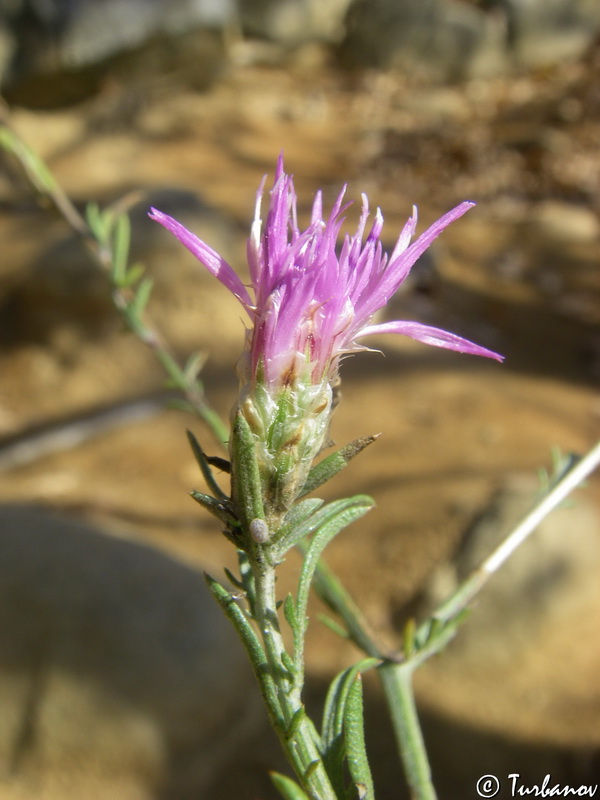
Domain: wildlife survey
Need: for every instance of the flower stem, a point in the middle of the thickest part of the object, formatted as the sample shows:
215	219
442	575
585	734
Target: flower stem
564	485
397	685
297	735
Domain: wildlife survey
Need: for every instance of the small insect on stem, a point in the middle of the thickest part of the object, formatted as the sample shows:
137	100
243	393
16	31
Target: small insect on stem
259	530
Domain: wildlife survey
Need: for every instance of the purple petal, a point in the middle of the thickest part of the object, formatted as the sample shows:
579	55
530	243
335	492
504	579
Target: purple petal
213	262
428	335
403	258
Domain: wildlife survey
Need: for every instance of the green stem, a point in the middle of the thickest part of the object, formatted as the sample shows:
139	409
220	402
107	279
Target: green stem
397	685
43	180
297	736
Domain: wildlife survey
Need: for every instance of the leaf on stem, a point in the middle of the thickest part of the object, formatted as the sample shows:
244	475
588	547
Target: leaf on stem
218	508
335	462
232	579
248	580
317	520
253	647
131	276
193	366
97	221
120	249
39	174
289	612
287	788
330	521
334	626
141	298
297	524
205	467
354	737
334	715
246	479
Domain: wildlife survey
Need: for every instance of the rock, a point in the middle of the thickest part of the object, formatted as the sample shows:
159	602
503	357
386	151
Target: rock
291	22
63	50
119	675
446	40
438	40
545	32
565	221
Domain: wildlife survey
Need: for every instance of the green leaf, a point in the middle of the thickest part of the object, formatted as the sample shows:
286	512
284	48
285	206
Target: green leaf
290	532
41	177
205	467
409	643
289	612
253	647
120	254
221	510
131	276
331	520
288	664
334	626
246	483
334	745
315	521
193	366
233	580
248	580
95	219
295	721
335	462
142	296
354	738
288	788
301	511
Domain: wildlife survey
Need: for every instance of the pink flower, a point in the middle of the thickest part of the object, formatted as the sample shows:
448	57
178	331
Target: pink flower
310	304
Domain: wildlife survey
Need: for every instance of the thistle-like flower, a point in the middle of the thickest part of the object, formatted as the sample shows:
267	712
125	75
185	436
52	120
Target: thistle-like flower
309	304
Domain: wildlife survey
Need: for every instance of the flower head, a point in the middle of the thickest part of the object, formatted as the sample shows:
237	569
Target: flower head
309	303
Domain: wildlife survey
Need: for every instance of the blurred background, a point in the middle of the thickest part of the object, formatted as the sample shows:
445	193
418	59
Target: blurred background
118	678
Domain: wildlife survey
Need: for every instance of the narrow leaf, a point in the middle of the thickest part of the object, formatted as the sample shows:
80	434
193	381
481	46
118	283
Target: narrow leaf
142	296
334	745
290	533
409	639
295	721
287	788
248	580
38	172
312	768
315	521
335	462
288	664
217	508
253	648
131	276
95	220
121	242
193	366
289	612
334	626
232	579
354	738
301	511
336	517
246	478
205	467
